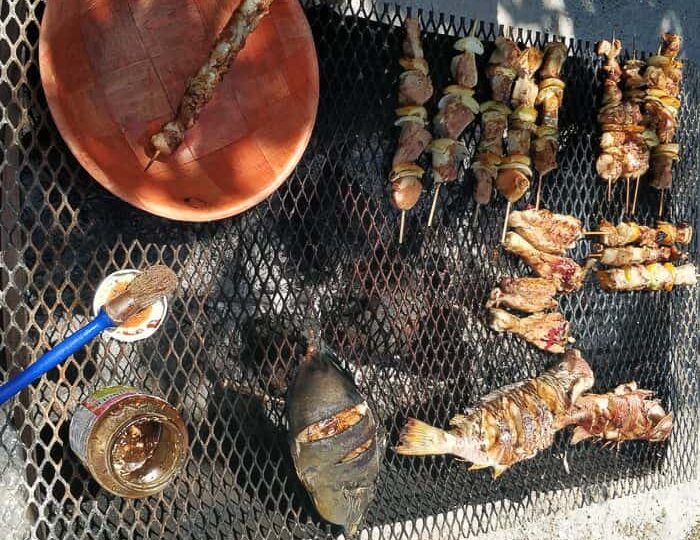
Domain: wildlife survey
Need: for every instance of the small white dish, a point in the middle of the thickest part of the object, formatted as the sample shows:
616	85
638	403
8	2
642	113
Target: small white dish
143	327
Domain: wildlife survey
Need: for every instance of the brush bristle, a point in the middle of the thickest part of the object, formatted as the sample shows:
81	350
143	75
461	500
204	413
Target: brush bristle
145	290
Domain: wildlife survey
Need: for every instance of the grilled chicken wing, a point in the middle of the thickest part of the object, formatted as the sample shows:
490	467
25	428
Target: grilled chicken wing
527	294
547	231
547	331
566	273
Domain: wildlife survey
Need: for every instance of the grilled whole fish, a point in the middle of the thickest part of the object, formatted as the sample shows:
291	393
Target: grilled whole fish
336	442
508	425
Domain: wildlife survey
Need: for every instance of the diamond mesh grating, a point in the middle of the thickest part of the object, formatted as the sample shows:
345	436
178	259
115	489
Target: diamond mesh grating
320	252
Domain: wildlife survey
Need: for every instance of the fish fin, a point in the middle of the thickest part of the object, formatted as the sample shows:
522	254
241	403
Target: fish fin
477	467
579	435
356	508
420	439
498	470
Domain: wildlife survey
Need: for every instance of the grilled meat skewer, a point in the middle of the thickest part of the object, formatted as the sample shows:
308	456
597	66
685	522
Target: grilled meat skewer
508	425
625	414
630	255
200	88
546	331
527	294
629	232
652	277
547	231
567	275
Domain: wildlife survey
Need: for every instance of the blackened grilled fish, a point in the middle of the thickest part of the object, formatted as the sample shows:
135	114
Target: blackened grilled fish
335	440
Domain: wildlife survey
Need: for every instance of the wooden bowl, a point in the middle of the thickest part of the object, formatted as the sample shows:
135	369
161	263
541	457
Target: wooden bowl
115	70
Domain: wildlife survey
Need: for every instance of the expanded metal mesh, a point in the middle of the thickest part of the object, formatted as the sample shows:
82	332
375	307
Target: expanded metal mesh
322	252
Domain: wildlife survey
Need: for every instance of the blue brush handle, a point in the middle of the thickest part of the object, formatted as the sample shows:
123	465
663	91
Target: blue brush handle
55	356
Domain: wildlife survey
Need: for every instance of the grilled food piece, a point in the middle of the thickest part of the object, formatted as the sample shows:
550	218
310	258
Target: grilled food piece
415	87
630	255
626	414
508	425
652	277
567	275
681	233
446	155
527	294
502	69
412	46
200	88
335	439
547	231
547	331
454	116
554	56
628	232
413	141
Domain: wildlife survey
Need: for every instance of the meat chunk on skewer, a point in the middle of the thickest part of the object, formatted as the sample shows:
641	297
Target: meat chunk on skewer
413	141
554	56
567	275
625	113
547	231
412	46
463	68
547	331
527	294
415	87
453	118
675	234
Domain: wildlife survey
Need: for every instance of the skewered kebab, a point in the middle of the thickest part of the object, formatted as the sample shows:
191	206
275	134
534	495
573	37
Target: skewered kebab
630	255
508	425
652	277
629	232
200	88
547	231
456	110
638	140
663	76
514	172
624	414
568	276
547	331
527	294
500	73
550	98
415	88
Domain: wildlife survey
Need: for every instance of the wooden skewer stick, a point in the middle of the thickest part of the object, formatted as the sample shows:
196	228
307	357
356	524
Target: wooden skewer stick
627	194
402	226
595	233
505	223
661	203
150	161
434	205
636	192
609	190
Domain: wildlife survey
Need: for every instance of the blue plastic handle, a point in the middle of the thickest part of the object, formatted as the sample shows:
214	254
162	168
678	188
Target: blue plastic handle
55	356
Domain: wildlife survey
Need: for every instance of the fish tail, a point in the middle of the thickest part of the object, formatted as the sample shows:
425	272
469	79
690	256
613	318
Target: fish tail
420	439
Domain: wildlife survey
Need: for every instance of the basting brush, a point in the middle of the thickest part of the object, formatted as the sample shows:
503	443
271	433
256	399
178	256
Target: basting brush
143	291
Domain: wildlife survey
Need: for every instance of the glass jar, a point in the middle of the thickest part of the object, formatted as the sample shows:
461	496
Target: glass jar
132	443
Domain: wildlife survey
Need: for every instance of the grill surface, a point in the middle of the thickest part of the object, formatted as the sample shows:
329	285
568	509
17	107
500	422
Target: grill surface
321	253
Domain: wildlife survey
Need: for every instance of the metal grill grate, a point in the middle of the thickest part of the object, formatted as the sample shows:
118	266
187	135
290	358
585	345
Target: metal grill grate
322	251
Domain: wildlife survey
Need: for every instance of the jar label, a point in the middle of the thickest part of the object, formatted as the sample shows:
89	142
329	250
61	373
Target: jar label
90	411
